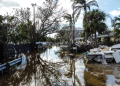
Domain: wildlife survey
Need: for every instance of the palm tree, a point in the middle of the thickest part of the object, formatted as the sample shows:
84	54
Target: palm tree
83	4
117	27
117	32
68	17
95	22
117	24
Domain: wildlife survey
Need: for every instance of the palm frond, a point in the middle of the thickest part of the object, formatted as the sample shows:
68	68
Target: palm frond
94	3
88	7
117	19
79	7
68	17
77	14
117	24
117	32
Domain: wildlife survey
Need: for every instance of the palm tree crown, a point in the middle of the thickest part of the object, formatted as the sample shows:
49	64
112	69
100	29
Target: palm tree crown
95	22
117	20
117	27
68	17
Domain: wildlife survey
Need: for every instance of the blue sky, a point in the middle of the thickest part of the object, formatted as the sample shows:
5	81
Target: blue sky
111	7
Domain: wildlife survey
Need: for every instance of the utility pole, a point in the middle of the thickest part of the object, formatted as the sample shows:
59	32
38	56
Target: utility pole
33	5
34	29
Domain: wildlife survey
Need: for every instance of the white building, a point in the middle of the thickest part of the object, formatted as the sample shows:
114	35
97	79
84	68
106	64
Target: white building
78	33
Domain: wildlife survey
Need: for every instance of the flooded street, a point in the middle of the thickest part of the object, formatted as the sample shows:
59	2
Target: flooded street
54	67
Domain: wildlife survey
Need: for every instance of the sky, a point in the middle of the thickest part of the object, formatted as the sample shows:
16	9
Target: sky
111	7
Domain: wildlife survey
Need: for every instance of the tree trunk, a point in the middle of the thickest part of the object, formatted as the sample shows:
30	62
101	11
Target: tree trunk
91	38
73	27
95	39
85	37
85	21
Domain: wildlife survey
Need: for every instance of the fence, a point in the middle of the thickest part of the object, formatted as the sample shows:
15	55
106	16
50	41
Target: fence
21	48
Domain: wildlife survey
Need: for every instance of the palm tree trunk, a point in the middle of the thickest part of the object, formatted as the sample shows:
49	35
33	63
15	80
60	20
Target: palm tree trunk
85	37
95	39
91	38
73	27
85	21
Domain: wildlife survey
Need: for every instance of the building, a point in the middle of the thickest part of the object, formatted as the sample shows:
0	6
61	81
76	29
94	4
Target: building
78	33
109	36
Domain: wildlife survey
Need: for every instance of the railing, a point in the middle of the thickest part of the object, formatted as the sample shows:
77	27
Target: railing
3	66
15	61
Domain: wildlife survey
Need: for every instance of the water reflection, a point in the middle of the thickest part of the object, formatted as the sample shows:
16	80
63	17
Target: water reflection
54	67
47	69
103	75
93	76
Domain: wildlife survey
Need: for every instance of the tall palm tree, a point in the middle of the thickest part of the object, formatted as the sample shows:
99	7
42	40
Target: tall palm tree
83	4
117	20
68	17
88	30
96	22
117	27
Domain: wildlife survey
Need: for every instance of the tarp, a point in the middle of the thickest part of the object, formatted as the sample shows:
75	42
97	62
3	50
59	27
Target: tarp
117	56
116	46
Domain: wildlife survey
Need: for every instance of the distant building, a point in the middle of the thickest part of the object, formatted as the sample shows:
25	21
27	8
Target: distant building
78	33
109	36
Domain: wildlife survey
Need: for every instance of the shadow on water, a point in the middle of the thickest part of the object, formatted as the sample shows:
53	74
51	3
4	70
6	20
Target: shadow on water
54	67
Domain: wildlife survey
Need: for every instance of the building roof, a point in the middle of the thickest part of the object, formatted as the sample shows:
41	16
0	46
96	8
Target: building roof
79	38
106	35
79	28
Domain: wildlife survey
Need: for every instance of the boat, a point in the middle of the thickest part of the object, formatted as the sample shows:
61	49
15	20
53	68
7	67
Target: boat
115	47
108	55
97	56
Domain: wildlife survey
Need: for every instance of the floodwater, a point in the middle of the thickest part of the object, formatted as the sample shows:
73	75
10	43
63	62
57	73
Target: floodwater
54	67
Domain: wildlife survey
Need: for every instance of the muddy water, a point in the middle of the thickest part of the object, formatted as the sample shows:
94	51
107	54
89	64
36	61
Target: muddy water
54	67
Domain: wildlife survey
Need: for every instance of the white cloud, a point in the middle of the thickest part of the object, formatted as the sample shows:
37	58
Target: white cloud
66	4
17	4
115	12
7	6
25	3
8	3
